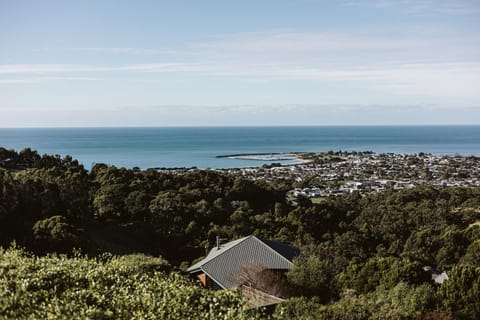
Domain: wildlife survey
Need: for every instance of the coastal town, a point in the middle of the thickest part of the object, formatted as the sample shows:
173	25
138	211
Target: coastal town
330	173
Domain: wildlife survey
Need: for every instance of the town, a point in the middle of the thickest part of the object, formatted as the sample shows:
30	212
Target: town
330	173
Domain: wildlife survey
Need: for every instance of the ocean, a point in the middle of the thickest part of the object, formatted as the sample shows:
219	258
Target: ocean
198	146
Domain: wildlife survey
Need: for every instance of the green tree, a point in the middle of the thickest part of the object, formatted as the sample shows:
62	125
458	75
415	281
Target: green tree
461	292
56	234
313	276
472	256
109	201
386	272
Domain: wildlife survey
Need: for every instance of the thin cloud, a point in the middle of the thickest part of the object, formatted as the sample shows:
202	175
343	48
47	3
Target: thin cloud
134	51
430	63
18	81
246	108
340	47
452	7
124	51
443	79
72	68
46	79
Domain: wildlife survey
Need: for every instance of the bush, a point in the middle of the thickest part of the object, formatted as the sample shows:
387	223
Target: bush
401	302
58	287
56	234
313	276
385	272
461	292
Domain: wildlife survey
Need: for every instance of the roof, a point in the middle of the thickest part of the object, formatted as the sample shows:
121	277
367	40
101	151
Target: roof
222	264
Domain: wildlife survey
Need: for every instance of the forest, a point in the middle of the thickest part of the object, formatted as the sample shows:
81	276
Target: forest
69	234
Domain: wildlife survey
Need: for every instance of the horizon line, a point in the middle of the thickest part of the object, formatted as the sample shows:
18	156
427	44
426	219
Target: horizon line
249	126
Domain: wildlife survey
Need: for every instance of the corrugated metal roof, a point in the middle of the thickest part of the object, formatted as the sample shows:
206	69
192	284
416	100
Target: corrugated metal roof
223	264
286	251
214	253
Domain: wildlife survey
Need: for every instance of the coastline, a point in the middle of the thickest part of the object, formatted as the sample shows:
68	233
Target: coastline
199	147
269	156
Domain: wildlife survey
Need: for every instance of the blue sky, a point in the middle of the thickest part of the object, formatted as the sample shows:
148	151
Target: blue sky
167	63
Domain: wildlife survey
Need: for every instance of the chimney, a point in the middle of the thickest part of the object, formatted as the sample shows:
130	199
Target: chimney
218	242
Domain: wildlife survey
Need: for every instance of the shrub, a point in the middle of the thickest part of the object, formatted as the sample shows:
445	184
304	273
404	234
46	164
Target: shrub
58	287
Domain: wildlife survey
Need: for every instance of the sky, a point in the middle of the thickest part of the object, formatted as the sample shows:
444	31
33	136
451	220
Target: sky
223	63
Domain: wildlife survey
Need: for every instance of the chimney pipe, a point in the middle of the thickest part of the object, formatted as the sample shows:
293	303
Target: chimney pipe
218	242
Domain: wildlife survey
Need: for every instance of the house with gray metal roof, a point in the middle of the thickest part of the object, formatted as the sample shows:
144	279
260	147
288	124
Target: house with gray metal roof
219	268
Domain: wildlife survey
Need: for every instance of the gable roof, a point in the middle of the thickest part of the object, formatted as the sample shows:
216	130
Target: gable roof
221	264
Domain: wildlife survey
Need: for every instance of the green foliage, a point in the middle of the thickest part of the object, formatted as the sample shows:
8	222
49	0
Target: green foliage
454	244
58	234
461	292
400	302
313	276
108	201
298	308
8	194
384	272
373	244
472	256
137	204
57	287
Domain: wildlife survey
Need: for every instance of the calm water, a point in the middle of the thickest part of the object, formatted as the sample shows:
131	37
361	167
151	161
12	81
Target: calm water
188	147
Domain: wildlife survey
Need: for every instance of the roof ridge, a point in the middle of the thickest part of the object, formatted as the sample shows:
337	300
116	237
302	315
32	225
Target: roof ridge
226	249
200	266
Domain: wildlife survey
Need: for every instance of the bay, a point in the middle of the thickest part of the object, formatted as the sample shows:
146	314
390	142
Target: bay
199	146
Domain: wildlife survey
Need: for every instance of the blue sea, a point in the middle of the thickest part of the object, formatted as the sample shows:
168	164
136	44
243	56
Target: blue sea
199	146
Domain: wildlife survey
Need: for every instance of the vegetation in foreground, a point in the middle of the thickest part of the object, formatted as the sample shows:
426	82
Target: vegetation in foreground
127	287
362	257
138	287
